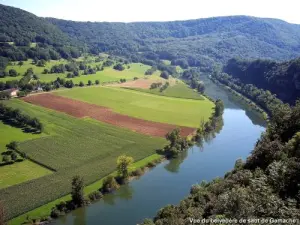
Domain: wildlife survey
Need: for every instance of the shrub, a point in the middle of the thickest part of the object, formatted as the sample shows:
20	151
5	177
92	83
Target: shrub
137	172
81	84
21	94
55	213
97	82
109	184
14	156
62	206
5	158
119	67
151	164
164	75
95	195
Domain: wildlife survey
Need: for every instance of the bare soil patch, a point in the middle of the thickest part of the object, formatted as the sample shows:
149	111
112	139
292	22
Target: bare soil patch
81	109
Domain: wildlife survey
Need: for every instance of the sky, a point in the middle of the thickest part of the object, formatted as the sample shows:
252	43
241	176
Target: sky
157	10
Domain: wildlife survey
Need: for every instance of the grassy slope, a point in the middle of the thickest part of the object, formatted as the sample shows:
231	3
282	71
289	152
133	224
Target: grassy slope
107	75
178	91
18	172
74	147
183	112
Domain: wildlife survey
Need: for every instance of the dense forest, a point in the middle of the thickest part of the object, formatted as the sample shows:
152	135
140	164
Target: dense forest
194	42
266	185
282	79
202	42
19	29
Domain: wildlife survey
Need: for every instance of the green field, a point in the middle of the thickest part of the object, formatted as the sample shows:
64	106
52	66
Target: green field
21	171
182	112
73	147
43	211
107	75
177	91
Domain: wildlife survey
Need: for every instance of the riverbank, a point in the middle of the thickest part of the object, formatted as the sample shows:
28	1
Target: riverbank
42	213
243	98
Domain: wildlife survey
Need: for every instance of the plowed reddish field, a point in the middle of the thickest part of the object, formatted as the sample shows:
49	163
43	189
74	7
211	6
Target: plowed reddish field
82	109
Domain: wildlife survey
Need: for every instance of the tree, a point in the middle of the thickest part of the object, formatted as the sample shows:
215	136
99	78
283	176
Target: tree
12	146
119	67
21	63
77	190
12	73
219	108
123	163
200	88
164	75
5	158
14	156
41	63
109	184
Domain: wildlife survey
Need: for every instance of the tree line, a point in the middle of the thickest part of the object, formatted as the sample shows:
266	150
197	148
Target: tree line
265	99
280	78
16	118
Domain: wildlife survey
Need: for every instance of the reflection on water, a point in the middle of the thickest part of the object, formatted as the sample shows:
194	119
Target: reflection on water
173	165
170	181
125	192
80	218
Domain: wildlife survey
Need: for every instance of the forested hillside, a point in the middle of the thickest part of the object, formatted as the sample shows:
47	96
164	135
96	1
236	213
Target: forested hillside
24	35
282	79
201	42
195	42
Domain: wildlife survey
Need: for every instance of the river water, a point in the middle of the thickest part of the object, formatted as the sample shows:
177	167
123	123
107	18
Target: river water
170	181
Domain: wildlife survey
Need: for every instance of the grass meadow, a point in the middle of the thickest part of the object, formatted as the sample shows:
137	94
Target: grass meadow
107	75
21	171
177	111
71	146
179	90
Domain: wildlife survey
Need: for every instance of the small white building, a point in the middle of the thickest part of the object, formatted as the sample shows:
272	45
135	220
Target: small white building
13	92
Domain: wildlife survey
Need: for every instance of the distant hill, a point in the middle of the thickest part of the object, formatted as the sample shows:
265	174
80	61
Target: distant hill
282	79
19	29
201	42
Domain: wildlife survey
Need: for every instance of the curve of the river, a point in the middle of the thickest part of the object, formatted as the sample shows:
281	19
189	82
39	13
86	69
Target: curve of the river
170	181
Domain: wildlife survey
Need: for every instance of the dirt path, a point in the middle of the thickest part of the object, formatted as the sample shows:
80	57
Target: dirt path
81	109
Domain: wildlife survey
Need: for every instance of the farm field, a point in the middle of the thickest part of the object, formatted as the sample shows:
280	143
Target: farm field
177	91
20	172
17	172
83	147
83	109
107	75
43	211
176	111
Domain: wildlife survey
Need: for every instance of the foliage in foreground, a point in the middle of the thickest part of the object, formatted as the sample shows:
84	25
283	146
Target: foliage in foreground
265	186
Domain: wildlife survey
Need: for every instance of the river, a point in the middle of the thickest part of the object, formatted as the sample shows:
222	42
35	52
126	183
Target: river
170	181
